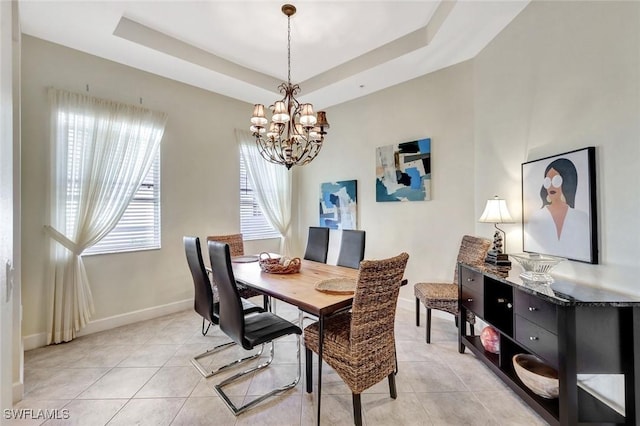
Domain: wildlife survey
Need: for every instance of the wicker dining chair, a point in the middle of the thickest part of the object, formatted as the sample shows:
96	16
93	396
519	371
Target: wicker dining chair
444	296
236	248
360	344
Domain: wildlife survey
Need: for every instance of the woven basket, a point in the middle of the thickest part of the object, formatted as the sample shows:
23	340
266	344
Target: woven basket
282	265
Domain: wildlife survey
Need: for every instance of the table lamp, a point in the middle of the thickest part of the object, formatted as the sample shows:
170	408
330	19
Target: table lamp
496	212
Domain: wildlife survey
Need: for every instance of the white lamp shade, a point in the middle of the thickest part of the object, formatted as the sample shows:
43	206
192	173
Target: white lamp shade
496	212
280	114
307	117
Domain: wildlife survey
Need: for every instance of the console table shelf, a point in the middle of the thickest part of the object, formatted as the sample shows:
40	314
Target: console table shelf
573	328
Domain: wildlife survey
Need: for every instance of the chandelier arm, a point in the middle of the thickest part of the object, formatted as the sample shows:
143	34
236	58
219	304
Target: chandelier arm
268	154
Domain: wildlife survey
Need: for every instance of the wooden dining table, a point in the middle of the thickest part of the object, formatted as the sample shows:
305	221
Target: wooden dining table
298	289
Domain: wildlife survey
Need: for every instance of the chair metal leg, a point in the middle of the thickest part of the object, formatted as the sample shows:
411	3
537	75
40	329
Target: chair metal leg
237	410
212	351
357	409
417	312
392	386
428	325
472	330
204	332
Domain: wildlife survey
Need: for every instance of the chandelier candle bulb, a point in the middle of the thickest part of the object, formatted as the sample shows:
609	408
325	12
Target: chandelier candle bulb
295	133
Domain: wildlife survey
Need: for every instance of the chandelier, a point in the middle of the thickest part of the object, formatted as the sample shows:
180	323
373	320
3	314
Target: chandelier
295	134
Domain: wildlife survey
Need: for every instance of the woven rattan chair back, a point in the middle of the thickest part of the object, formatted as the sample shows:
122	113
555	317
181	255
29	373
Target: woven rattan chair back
236	244
373	318
473	251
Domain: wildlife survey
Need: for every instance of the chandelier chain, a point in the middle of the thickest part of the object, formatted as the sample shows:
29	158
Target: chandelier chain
289	49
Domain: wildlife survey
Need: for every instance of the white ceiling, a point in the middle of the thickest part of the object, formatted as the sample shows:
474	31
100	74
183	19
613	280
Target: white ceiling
340	50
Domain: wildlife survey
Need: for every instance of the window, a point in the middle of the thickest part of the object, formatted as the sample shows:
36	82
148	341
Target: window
139	226
253	224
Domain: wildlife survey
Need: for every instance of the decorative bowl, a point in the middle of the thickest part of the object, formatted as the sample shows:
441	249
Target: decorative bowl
537	266
536	375
490	339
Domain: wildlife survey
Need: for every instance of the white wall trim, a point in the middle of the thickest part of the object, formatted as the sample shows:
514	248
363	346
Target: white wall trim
18	392
40	339
410	305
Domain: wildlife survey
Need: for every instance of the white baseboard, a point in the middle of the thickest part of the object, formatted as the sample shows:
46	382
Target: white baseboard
18	392
410	305
40	339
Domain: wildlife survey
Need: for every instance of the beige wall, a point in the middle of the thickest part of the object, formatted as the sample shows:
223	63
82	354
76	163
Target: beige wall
199	191
439	106
562	76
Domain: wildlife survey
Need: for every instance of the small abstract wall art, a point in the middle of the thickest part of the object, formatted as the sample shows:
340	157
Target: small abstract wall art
403	171
338	204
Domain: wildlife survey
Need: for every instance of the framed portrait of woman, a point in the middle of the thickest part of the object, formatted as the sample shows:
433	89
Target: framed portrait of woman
559	215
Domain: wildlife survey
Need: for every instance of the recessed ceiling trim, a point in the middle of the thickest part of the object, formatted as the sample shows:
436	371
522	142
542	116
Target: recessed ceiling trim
153	39
383	54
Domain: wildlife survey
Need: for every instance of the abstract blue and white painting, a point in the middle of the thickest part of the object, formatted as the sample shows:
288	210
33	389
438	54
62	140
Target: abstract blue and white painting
338	204
403	171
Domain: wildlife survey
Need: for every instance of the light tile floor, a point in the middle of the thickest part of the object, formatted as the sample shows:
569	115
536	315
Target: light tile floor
141	374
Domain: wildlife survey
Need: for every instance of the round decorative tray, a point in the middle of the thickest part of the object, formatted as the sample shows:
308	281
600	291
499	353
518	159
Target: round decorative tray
336	286
281	265
245	259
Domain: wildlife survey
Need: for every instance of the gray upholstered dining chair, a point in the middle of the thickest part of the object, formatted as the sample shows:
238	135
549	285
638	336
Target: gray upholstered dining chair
352	246
360	344
207	304
444	296
317	244
248	331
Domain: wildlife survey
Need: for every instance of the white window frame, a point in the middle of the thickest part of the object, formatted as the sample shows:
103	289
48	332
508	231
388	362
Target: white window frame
253	224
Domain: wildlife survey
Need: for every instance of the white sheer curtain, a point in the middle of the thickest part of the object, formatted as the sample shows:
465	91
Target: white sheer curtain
272	183
100	153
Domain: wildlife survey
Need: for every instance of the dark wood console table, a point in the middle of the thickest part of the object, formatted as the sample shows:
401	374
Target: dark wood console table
575	328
